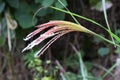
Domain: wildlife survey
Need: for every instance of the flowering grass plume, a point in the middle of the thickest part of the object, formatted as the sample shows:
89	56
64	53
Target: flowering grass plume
56	29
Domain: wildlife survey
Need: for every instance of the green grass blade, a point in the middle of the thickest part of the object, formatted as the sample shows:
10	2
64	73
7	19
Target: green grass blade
68	11
82	66
106	19
107	40
79	16
115	36
105	14
90	20
108	72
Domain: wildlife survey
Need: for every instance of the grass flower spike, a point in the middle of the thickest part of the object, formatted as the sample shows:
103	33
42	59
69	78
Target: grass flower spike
56	30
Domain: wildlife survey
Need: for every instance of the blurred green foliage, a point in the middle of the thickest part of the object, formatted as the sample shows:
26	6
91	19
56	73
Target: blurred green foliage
22	12
42	70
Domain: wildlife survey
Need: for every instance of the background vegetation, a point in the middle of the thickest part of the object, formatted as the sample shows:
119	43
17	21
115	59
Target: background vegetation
67	57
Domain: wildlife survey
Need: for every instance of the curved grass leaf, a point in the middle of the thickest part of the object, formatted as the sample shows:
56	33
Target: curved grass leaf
90	20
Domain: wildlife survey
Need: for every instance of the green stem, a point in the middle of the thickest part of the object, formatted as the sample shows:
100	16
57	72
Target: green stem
104	39
106	19
109	71
68	11
79	16
90	20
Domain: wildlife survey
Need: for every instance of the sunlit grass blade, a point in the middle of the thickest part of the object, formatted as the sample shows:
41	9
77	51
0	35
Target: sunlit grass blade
114	35
106	19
